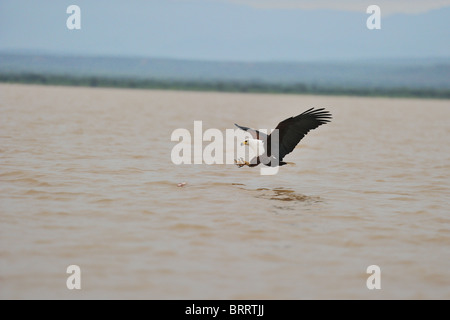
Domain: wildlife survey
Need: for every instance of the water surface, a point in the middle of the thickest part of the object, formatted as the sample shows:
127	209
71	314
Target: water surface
86	178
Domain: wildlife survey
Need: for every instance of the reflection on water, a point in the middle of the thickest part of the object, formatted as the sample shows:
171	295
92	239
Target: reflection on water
282	194
283	200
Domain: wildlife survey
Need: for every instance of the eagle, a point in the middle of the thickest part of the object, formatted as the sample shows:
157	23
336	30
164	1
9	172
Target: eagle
271	151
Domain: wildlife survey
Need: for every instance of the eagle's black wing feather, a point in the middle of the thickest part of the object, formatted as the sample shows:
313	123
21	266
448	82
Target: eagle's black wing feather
293	129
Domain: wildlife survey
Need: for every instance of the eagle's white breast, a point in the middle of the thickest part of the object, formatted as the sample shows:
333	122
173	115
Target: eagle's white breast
257	146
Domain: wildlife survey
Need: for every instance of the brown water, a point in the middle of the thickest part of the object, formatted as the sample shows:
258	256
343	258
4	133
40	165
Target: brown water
86	178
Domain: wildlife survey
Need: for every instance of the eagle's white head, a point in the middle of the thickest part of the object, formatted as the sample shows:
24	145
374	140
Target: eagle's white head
256	145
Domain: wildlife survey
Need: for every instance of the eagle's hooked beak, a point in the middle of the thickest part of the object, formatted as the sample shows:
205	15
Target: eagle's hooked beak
245	143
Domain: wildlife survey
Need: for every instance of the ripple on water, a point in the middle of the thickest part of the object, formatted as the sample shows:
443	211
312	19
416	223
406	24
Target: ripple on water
284	200
281	194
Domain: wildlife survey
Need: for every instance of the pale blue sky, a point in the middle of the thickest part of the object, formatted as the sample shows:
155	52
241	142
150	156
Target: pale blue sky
247	30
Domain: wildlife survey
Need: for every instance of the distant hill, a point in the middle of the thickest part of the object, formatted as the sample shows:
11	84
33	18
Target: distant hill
432	73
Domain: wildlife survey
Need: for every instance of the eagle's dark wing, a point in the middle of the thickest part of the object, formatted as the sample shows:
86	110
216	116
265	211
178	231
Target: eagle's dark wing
293	129
255	133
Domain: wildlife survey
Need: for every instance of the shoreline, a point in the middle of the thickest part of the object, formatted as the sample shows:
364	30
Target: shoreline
221	86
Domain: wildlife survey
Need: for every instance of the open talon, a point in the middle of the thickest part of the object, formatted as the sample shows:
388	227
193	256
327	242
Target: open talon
245	163
241	163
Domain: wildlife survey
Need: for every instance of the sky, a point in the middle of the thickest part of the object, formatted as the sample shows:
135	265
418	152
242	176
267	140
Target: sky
229	30
389	6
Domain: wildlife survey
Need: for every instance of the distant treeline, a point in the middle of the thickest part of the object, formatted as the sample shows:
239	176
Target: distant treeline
221	86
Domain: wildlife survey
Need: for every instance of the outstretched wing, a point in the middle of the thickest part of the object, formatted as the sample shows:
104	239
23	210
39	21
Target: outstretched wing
255	133
293	129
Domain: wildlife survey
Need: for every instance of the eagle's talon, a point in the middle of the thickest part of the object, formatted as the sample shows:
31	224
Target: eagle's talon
239	163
